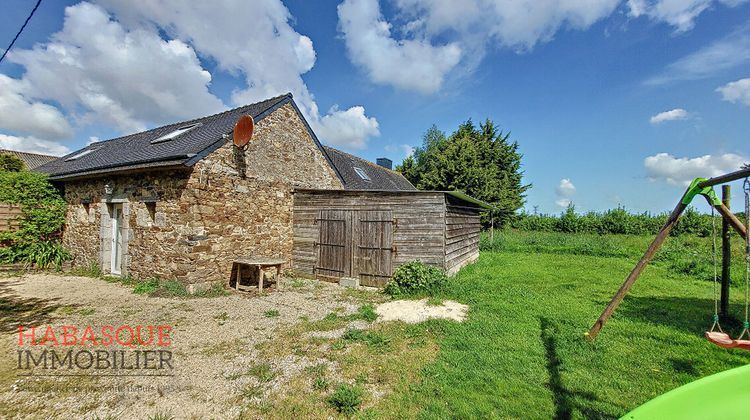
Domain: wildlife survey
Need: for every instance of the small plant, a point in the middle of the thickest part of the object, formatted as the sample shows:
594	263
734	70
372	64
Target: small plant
222	318
92	270
271	313
252	391
161	416
146	287
297	283
373	340
346	399
262	371
320	383
367	313
415	278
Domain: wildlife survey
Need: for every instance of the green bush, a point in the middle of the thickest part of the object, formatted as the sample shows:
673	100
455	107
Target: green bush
37	239
615	221
416	278
346	399
11	163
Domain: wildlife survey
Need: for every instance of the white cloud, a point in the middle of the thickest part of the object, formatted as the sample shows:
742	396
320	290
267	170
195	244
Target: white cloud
426	40
566	188
671	115
737	91
128	79
33	145
681	171
413	64
681	14
729	52
254	41
350	128
407	149
19	114
565	191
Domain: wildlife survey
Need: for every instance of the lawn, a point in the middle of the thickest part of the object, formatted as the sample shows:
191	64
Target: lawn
522	352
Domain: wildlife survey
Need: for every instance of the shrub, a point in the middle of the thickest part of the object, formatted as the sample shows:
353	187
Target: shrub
37	239
416	278
11	163
346	399
615	221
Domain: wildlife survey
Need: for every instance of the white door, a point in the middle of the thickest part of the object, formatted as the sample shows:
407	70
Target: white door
116	259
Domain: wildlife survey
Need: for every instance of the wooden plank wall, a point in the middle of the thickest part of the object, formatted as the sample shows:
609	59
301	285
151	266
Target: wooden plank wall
418	229
10	217
462	230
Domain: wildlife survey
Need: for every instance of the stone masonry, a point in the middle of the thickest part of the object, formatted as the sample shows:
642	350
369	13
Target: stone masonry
189	225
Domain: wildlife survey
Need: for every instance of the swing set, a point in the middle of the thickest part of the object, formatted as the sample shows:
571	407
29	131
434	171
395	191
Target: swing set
705	188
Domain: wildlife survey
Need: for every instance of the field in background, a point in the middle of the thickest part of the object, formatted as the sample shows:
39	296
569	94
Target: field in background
533	295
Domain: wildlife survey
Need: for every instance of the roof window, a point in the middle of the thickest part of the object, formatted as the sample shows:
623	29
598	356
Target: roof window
173	134
362	174
81	154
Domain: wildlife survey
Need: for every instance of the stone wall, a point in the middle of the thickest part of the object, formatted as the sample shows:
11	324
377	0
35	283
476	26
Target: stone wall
206	216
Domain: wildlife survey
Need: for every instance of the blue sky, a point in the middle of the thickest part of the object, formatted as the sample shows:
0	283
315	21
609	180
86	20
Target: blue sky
580	84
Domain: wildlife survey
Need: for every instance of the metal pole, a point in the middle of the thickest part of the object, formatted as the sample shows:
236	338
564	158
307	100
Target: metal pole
726	254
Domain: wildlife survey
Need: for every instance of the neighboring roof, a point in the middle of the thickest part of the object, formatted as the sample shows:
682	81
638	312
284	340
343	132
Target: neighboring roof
32	160
457	194
136	151
380	178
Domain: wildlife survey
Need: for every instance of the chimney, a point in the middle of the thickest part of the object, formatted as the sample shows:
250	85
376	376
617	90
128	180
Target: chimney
384	162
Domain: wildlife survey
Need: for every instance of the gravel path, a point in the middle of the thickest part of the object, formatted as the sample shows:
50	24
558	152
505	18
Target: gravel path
214	344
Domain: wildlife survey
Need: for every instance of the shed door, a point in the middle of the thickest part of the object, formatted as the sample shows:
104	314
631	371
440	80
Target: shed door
374	250
334	244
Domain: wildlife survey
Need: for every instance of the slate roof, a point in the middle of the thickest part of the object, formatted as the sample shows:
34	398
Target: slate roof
136	151
381	179
32	160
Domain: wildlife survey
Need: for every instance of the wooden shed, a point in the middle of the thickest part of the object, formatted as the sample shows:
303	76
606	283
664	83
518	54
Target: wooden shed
368	234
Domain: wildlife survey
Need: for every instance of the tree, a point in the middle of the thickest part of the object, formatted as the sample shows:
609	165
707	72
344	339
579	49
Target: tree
11	163
480	161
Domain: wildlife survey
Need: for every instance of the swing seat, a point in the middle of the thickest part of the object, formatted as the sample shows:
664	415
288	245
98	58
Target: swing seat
721	339
742	344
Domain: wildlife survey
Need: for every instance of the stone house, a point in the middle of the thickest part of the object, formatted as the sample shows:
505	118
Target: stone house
181	202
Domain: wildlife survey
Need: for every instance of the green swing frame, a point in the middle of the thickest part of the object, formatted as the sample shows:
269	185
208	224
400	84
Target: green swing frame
699	186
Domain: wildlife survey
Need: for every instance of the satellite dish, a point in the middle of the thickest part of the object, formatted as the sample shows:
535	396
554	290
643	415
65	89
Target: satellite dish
243	130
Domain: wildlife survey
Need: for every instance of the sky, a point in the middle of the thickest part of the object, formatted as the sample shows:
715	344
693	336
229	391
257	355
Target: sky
612	103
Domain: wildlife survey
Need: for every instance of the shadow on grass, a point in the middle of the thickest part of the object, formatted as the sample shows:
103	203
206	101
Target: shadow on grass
16	310
564	399
692	315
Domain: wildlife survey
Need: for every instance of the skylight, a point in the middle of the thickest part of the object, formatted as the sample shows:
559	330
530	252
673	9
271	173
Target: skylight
362	174
82	154
172	135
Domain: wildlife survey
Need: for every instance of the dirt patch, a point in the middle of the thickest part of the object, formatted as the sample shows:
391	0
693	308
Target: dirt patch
218	367
415	311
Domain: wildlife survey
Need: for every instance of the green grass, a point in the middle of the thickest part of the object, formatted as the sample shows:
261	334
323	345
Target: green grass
522	351
271	313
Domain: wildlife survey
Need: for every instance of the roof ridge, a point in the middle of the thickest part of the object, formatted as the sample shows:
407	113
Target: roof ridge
365	161
274	99
28	153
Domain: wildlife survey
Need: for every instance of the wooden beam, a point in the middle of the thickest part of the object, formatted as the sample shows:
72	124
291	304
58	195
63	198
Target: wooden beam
637	270
723	179
734	222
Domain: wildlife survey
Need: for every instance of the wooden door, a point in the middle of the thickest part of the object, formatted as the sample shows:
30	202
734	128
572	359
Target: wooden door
334	244
374	247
